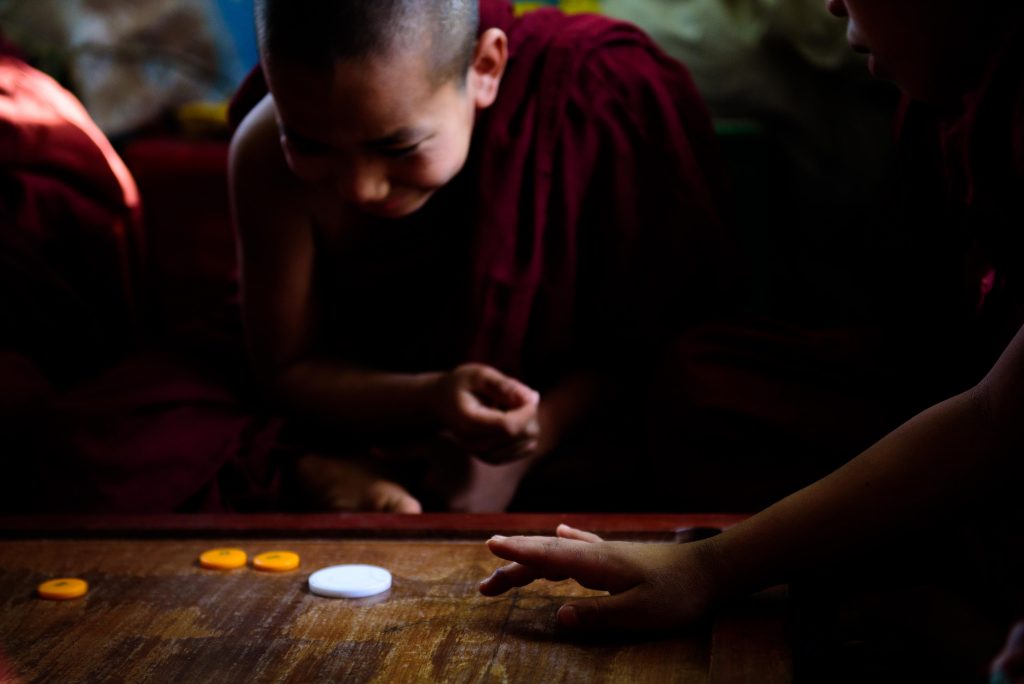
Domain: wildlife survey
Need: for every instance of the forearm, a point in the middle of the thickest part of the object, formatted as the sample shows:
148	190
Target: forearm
564	406
913	474
347	397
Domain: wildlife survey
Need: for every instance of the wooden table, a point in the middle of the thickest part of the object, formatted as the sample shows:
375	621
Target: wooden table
152	614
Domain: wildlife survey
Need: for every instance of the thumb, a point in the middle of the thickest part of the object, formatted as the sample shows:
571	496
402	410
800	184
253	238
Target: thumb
616	611
503	392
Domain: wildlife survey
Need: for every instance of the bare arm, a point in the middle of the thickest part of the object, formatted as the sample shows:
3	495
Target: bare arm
949	451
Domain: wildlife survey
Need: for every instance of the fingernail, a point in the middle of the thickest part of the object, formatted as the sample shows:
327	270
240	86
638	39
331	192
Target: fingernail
568	617
497	538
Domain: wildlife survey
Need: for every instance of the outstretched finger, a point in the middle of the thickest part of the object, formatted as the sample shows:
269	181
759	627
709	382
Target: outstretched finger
509	577
629	610
590	564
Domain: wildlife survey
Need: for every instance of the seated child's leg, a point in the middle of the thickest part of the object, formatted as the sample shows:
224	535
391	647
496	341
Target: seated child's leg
349	484
433	474
474	486
445	477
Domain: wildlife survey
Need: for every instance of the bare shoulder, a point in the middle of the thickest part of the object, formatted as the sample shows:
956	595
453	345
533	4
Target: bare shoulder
275	222
257	134
259	176
265	194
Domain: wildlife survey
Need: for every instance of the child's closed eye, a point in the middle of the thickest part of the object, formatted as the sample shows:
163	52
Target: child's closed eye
397	152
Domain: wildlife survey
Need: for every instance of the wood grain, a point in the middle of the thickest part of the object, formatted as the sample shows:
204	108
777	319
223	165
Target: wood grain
152	614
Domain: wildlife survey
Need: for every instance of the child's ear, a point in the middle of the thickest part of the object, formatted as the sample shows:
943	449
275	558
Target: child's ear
488	65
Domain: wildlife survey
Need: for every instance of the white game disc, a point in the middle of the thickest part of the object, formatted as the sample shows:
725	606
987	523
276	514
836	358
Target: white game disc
350	581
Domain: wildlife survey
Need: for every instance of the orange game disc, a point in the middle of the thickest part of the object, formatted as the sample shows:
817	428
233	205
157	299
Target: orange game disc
276	561
223	559
63	588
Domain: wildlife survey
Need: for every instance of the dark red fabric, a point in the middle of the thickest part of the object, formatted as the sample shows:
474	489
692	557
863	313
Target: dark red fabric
757	410
970	166
85	427
599	225
191	266
157	433
67	231
590	206
586	229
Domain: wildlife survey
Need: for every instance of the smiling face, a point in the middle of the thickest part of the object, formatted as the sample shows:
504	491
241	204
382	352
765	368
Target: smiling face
375	131
930	48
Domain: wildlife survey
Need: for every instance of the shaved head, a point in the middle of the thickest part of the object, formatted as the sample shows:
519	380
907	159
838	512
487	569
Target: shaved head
318	33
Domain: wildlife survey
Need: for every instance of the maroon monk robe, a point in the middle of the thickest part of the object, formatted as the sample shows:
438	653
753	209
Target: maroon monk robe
599	220
69	227
964	166
158	432
977	154
983	153
586	221
585	230
970	165
758	410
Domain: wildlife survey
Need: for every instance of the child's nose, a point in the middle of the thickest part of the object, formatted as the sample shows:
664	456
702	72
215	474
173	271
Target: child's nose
366	182
837	8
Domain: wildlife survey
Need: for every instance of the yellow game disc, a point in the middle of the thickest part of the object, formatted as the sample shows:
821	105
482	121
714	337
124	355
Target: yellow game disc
223	559
276	561
63	588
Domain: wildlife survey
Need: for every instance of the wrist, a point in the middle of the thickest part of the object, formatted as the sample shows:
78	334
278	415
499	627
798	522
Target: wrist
715	569
426	391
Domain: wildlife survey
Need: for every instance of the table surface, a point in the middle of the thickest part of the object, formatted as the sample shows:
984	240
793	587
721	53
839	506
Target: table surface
153	614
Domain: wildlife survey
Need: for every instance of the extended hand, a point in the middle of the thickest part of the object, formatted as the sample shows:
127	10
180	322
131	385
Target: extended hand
651	586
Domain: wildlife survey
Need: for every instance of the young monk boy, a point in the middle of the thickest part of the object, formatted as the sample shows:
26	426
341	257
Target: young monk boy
454	226
965	57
